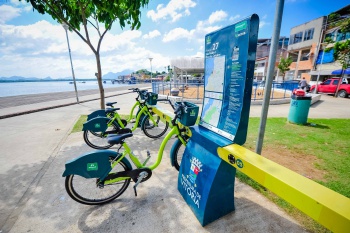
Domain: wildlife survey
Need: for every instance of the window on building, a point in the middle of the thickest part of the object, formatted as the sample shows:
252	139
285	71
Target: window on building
294	56
298	37
291	39
342	36
330	35
309	34
305	54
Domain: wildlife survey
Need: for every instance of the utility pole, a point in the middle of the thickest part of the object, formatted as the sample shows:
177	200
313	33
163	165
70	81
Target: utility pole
271	70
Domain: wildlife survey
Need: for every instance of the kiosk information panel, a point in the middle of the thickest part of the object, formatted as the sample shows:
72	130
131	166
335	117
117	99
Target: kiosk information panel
206	182
229	68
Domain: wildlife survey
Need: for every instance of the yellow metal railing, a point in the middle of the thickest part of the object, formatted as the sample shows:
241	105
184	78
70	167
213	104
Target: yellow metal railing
327	207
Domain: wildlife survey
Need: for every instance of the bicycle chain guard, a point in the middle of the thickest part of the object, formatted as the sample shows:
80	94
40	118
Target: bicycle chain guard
133	174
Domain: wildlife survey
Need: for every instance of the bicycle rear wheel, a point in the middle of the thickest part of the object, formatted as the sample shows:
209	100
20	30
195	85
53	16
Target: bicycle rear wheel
98	140
86	191
152	130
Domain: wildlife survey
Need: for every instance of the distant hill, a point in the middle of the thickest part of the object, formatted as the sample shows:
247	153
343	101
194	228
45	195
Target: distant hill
111	75
108	76
18	78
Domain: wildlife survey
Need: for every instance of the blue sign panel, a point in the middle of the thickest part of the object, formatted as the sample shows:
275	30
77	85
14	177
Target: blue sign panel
229	70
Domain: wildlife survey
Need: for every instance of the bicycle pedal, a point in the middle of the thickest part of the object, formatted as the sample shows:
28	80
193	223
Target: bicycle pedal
135	191
139	179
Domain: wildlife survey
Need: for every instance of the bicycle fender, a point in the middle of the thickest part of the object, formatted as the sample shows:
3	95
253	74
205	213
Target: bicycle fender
173	151
97	113
97	124
93	165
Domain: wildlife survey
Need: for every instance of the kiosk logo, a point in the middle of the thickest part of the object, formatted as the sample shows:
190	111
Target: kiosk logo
196	166
188	182
208	40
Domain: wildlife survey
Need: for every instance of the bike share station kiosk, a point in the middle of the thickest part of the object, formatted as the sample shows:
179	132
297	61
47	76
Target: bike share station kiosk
206	182
214	152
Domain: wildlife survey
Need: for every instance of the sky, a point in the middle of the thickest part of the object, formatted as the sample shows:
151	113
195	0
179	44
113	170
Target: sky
35	45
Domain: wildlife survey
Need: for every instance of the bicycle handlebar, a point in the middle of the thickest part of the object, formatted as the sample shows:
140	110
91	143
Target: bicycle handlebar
134	89
169	101
178	111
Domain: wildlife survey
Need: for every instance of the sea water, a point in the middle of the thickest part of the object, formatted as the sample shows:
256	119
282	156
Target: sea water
25	88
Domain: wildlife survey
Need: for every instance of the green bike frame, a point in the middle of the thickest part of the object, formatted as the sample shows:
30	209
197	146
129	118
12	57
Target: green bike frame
144	110
176	129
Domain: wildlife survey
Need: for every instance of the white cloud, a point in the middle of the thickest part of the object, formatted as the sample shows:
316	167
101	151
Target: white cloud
202	28
8	12
152	34
262	24
174	10
40	50
217	16
234	18
177	33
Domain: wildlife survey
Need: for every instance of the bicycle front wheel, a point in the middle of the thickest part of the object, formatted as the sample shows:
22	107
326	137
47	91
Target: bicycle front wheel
87	191
98	140
177	150
152	130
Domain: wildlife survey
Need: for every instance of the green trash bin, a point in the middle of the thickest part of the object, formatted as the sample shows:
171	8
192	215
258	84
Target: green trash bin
299	109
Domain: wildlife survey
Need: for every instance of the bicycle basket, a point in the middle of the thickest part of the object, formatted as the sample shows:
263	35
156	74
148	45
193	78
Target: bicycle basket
189	117
152	98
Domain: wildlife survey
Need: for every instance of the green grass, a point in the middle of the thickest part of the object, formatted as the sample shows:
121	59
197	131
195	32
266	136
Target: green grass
79	124
327	139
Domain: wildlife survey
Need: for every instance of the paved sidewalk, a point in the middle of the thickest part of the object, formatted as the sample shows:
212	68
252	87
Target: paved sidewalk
34	148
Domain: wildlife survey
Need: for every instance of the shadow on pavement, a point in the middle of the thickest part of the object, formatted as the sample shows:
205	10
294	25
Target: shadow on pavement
158	207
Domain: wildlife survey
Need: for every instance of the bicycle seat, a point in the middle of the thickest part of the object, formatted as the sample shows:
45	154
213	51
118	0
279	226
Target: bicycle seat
110	110
110	104
118	138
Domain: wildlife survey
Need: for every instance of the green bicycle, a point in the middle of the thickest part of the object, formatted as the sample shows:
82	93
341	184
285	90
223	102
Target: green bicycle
101	176
101	123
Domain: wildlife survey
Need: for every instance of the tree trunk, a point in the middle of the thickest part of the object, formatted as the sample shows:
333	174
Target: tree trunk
340	81
99	81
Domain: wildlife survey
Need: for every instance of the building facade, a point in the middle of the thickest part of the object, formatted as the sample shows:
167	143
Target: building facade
325	64
262	57
303	46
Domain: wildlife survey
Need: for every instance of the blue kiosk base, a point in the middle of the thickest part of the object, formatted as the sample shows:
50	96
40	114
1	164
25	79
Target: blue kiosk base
206	182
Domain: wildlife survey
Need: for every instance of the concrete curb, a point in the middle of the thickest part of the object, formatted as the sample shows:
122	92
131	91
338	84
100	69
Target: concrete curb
56	106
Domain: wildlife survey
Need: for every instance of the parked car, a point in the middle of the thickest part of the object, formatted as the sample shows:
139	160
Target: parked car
330	86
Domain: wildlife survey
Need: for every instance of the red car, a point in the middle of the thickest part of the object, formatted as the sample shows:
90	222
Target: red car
330	86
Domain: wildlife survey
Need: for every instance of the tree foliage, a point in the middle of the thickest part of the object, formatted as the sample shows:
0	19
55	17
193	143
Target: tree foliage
341	53
341	49
78	14
284	64
336	20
